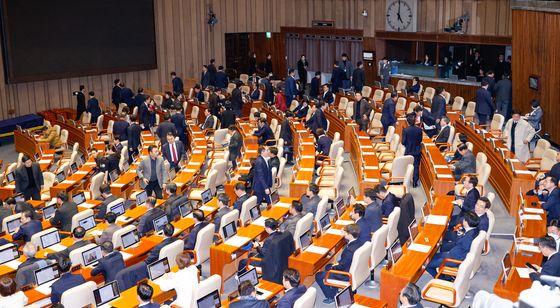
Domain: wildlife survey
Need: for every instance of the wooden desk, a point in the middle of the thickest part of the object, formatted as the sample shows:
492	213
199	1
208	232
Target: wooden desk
434	171
271	287
411	265
505	182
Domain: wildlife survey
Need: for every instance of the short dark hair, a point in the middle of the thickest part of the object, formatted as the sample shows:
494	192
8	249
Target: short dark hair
359	209
62	195
144	291
107	246
79	232
198	215
535	103
297	206
246	288
370	193
410	119
224	198
473	180
554	223
317	73
271	223
240	186
27	214
462	147
221	67
105	188
292	276
232	127
418	108
151	201
116	81
412	293
173	74
261	149
171	187
394	94
151	147
314	188
379	188
487	203
320	131
168	229
111	217
7	286
554	180
25	158
463	138
273	150
484	83
64	264
353	229
473	220
10	201
547	242
439	90
359	63
291	71
515	111
91	93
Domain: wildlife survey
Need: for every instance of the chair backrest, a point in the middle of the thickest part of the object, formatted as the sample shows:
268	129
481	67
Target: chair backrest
366	91
79	216
293	105
171	251
334	148
481	159
321	208
400	164
392	224
221	167
117	240
76	254
244	78
79	296
458	103
207	286
395	142
462	282
378	95
96	182
390	134
203	243
158	99
470	111
303	225
48	179
350	109
401	85
484	174
451	134
232	216
248	204
194	113
477	246
117	201
470	145
211	181
19	162
64	136
110	125
378	251
408	176
220	136
429	93
542	145
491	223
36	238
447	97
548	159
100	123
308	298
342	103
336	137
401	104
273	124
359	269
411	107
9	218
281	169
497	122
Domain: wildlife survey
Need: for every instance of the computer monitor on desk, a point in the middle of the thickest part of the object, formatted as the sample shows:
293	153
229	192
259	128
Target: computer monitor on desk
158	269
211	300
10	177
229	230
206	196
141	197
92	255
9	253
130	239
79	198
506	267
88	223
60	177
48	211
118	209
19	198
13	225
50	239
185	209
106	293
345	298
159	223
395	251
47	274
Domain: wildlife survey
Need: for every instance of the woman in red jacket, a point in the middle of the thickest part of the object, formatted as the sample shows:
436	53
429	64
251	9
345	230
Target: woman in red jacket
280	100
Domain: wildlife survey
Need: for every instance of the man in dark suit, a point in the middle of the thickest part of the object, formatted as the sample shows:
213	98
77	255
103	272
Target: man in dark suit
467	163
374	213
359	77
552	204
199	223
204	77
165	128
6	209
134	132
235	144
120	127
227	116
293	289
173	151
318	119
460	248
328	96
127	96
361	108
111	263
273	160
438	105
221	78
248	297
117	144
93	107
268	89
63	215
302	109
338	75
324	142
484	105
502	91
444	132
78	235
66	281
140	97
208	120
171	206
424	119
357	215
30	252
242	195
11	206
178	118
262	178
387	200
144	114
168	238
146	224
351	233
29	179
108	197
388	117
289	225
80	102
412	140
212	72
116	94
410	296
311	199
28	227
551	267
223	209
144	293
491	81
481	209
315	84
471	196
291	87
177	84
264	133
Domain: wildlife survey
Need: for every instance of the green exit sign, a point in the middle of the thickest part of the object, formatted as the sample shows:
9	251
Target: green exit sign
269	35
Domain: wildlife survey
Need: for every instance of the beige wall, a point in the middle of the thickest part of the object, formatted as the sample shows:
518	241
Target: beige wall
185	41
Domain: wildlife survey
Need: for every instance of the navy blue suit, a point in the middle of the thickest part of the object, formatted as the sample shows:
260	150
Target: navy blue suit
412	140
388	204
550	267
146	223
374	216
120	129
484	223
127	96
291	89
438	107
221	80
458	251
343	265
262	179
268	91
338	75
144	115
139	99
239	202
328	97
324	143
94	109
388	115
318	120
264	133
291	296
314	88
27	230
552	205
301	111
116	96
470	200
109	266
191	241
151	305
181	153
179	120
250	303
65	282
484	105
178	85
153	256
365	230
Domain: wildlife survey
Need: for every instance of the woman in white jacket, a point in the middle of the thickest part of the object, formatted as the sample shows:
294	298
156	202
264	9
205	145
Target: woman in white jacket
184	281
521	135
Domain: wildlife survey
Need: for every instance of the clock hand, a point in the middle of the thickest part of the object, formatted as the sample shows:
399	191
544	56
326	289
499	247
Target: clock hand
399	17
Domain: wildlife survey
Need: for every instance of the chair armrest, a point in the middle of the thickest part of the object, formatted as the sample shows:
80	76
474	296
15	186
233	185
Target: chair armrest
441	145
250	260
382	137
193	253
447	269
442	287
533	160
331	272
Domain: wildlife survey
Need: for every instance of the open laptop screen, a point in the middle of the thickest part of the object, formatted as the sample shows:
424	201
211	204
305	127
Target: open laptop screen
229	230
130	238
79	198
118	209
159	223
46	274
158	268
88	223
8	254
344	298
211	300
49	239
91	255
141	197
206	196
106	293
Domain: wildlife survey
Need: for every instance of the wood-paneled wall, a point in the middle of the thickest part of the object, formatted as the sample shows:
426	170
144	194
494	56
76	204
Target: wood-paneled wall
537	52
185	41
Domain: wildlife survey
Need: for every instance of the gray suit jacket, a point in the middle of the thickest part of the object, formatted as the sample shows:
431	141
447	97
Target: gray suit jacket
144	171
534	118
467	164
107	235
290	223
310	204
218	217
22	180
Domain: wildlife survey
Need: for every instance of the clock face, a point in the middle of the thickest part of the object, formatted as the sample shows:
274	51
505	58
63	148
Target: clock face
400	16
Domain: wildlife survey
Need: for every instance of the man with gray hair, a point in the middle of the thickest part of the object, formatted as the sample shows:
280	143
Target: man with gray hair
410	296
444	132
29	251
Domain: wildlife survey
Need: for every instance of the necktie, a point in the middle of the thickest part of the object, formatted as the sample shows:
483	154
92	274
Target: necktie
173	153
513	126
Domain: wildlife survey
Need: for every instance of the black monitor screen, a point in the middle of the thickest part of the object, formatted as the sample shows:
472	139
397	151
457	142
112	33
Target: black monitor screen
79	198
185	209
11	177
19	198
206	196
106	293
229	230
118	208
255	212
141	197
325	222
60	177
130	238
158	268
159	223
211	300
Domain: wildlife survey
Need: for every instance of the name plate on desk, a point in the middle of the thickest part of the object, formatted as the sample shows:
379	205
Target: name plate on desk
444	176
436	220
530	217
317	250
371	180
371	167
441	166
237	241
68	182
419	247
46	161
529	248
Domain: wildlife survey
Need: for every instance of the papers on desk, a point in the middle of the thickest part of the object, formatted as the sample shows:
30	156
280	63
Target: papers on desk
529	248
45	161
525	172
430	144
419	247
317	250
68	182
514	160
12	264
237	241
282	204
343	222
371	167
118	184
306	169
334	231
90	163
96	232
57	247
301	182
523	272
206	208
444	176
259	221
531	217
441	166
81	172
122	218
46	288
436	220
87	205
197	152
244	169
533	210
190	170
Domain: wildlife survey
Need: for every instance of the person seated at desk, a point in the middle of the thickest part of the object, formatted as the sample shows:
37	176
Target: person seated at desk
552	202
444	132
66	281
170	207
362	108
223	209
107	197
176	281
302	109
53	138
168	102
457	155
481	209
199	223
112	227
30	252
248	297
264	132
146	224
415	87
273	160
242	195
9	294
357	215
387	201
290	223
468	203
552	230
324	143
460	248
467	163
208	120
374	213
279	100
63	215
293	289
28	227
310	200
111	262
317	119
351	233
410	296
168	238
78	236
144	293
550	267
328	96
